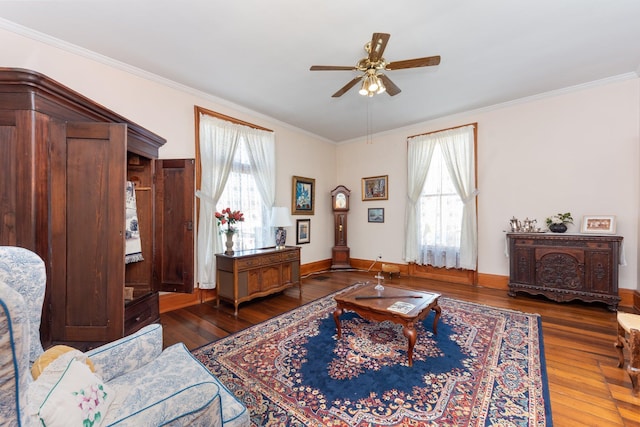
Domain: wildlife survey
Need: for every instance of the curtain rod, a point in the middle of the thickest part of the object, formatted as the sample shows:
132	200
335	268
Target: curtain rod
229	119
475	124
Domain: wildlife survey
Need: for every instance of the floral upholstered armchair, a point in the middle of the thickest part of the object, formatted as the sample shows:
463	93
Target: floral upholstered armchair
129	382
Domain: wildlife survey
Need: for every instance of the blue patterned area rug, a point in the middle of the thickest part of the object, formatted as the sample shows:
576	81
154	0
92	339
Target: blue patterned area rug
485	367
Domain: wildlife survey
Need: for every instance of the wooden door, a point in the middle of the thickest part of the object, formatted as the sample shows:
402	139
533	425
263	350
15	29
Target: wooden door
173	259
87	222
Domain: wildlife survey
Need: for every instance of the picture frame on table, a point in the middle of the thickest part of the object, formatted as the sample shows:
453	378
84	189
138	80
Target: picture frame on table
598	224
303	231
303	195
375	215
375	188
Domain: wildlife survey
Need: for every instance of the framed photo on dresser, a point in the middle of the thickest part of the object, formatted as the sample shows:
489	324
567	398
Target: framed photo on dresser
598	224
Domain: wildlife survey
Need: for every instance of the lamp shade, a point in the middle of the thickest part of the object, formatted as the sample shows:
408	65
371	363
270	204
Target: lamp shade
280	217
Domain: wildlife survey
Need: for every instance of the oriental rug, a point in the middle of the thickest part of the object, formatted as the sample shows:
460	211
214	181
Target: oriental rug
484	367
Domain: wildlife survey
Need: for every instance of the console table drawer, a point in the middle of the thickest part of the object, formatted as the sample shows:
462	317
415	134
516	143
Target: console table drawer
247	263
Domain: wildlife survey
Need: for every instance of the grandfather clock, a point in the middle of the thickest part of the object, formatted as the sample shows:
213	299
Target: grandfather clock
340	206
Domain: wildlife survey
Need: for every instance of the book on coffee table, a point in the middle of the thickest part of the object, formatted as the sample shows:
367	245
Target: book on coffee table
401	307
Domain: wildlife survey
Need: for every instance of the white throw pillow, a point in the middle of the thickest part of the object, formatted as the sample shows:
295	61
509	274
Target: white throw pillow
76	396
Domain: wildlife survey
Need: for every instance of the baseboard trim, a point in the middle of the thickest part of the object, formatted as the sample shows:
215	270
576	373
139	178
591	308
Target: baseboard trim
314	267
630	298
493	281
170	301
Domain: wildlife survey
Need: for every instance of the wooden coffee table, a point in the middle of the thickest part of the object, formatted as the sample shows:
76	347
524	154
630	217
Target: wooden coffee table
374	305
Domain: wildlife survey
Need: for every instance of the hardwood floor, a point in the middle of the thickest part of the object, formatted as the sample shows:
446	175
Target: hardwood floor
586	387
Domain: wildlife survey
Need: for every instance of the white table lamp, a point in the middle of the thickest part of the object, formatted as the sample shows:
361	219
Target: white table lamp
280	218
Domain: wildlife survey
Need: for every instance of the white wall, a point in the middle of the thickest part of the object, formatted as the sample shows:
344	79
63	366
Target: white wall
168	110
575	152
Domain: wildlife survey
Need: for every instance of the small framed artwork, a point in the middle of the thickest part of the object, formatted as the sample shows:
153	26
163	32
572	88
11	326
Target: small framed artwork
302	195
375	188
303	231
598	224
375	215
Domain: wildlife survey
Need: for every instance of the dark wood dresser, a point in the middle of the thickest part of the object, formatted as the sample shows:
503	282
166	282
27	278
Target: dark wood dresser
257	273
565	267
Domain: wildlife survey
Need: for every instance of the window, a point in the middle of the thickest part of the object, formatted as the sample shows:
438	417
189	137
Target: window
241	193
441	217
441	213
235	168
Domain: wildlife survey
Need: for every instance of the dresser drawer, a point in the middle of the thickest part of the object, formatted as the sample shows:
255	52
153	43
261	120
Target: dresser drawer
141	312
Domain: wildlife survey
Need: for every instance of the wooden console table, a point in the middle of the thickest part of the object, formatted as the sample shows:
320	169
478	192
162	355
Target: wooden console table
565	267
254	273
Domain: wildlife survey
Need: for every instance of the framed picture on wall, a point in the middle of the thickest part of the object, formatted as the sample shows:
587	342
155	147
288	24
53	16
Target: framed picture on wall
375	215
303	231
302	195
375	188
598	224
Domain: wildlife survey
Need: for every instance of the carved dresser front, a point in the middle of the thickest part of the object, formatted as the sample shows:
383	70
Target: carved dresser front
565	267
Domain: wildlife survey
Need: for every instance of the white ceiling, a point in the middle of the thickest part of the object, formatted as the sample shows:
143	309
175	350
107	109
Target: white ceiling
257	53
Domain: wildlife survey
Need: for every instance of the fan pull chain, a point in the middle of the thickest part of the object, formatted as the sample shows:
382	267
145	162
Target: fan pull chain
369	139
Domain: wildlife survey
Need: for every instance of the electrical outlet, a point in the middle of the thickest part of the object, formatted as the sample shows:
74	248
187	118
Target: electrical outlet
379	256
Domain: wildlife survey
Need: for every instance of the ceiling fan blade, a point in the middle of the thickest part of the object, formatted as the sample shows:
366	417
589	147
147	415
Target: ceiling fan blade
391	87
378	44
413	63
332	68
346	87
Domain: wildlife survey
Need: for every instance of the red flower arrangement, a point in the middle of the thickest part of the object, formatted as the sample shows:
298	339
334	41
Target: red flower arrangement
229	217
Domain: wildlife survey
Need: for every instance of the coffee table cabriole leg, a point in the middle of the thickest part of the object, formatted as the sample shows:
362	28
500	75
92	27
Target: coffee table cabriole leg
336	317
438	310
409	331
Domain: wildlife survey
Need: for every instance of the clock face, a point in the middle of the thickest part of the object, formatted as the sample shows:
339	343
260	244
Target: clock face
341	201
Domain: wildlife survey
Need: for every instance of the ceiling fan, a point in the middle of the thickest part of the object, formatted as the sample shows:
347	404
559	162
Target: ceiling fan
373	80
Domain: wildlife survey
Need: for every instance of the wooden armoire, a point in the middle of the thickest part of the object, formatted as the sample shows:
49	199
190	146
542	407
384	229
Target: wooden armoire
64	162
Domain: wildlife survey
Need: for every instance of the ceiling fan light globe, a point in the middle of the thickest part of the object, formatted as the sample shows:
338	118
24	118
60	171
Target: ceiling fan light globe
363	90
372	83
381	87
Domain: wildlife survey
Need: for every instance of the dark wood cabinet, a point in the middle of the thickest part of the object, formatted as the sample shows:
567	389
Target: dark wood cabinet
257	273
174	196
565	267
65	162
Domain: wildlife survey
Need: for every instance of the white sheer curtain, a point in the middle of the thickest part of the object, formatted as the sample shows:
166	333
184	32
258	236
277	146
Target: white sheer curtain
220	143
425	244
251	188
262	155
459	153
419	154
